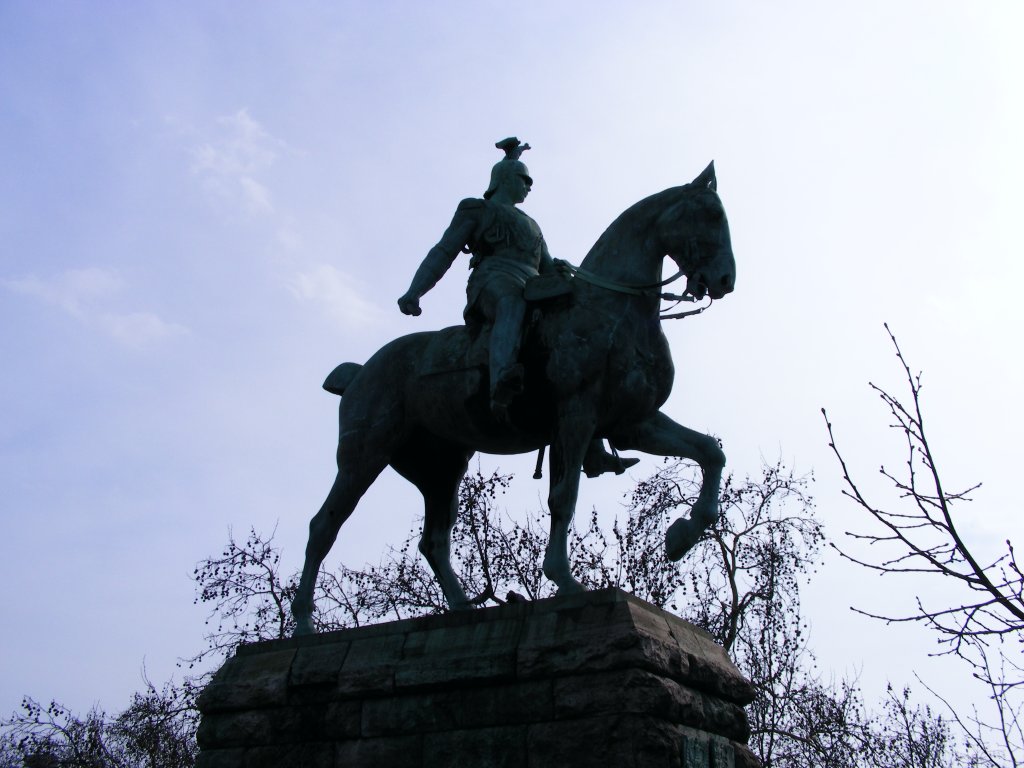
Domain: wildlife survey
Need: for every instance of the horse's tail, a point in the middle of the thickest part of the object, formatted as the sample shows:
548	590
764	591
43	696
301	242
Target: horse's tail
338	380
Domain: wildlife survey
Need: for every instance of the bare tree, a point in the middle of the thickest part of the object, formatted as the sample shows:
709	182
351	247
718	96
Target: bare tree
248	599
916	532
741	582
157	730
53	736
248	596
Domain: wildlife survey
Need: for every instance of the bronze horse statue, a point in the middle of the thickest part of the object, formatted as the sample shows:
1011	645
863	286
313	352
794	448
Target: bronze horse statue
596	367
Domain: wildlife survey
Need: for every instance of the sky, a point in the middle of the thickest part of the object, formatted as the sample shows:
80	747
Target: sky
204	207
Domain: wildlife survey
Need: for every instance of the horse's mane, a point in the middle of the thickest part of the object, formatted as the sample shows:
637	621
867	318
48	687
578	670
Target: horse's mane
640	215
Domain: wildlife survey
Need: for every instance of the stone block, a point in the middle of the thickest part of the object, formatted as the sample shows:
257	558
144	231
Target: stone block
660	647
497	636
700	750
369	666
578	639
725	718
249	681
695	751
511	704
587	680
343	720
318	665
744	757
723	753
616	632
261	727
306	755
560	744
490	747
416	713
656	745
234	729
709	666
476	652
632	691
623	741
391	752
426	672
221	758
458	708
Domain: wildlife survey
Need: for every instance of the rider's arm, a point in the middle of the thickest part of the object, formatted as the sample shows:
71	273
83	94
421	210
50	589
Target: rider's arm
547	264
439	258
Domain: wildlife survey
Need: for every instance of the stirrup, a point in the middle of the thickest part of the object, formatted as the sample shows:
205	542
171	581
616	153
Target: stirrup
607	462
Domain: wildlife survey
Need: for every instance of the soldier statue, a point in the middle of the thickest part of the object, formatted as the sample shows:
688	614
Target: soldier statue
507	250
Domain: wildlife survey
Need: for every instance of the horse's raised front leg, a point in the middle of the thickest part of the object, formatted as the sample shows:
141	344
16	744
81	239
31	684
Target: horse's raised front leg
663	437
573	432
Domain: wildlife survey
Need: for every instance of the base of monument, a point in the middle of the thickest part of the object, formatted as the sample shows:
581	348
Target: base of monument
597	679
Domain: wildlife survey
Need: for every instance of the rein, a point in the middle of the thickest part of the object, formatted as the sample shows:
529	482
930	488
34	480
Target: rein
636	290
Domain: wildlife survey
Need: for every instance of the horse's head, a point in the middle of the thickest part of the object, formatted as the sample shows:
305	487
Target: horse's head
694	232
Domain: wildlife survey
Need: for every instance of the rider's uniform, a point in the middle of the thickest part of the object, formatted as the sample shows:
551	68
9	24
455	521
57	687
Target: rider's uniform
508	249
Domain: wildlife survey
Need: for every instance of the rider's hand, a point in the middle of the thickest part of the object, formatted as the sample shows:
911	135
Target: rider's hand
410	305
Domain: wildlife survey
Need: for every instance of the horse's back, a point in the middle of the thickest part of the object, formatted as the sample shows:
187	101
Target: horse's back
381	389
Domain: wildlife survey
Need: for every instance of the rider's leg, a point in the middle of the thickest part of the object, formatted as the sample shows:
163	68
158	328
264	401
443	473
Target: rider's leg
506	333
597	460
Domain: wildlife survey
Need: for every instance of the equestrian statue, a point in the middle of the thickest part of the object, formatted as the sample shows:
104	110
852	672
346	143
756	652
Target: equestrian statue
550	355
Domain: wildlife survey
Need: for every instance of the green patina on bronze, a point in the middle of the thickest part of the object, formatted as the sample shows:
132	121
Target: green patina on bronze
589	363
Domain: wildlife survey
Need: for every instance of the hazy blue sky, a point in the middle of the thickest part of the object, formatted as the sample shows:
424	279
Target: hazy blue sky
205	206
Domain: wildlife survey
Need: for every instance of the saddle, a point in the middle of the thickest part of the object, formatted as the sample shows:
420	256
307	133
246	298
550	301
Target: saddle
466	347
544	290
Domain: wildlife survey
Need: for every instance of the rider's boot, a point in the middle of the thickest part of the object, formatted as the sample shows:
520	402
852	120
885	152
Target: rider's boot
506	374
506	388
597	460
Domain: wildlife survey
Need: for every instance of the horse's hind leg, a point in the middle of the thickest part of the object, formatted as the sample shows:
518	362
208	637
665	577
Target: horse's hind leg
356	471
663	437
437	471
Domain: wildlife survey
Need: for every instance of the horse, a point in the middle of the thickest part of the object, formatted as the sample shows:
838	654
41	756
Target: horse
598	366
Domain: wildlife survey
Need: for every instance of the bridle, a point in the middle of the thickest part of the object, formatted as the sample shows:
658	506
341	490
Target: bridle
648	290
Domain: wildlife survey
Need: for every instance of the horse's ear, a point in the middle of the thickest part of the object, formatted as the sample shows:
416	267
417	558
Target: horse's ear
707	179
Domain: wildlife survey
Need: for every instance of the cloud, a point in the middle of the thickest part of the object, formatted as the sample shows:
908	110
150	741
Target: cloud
288	238
255	196
338	294
245	148
84	294
230	164
72	290
138	329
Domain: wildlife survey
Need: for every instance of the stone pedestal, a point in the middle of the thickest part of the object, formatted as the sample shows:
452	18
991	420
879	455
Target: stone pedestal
599	679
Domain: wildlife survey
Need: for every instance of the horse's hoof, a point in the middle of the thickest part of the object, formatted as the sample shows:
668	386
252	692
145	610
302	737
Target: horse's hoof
571	588
680	538
303	626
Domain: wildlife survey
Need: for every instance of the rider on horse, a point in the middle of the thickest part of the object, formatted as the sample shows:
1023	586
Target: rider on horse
508	249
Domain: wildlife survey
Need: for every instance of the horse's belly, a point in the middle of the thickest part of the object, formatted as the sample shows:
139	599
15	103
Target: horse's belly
636	387
456	406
